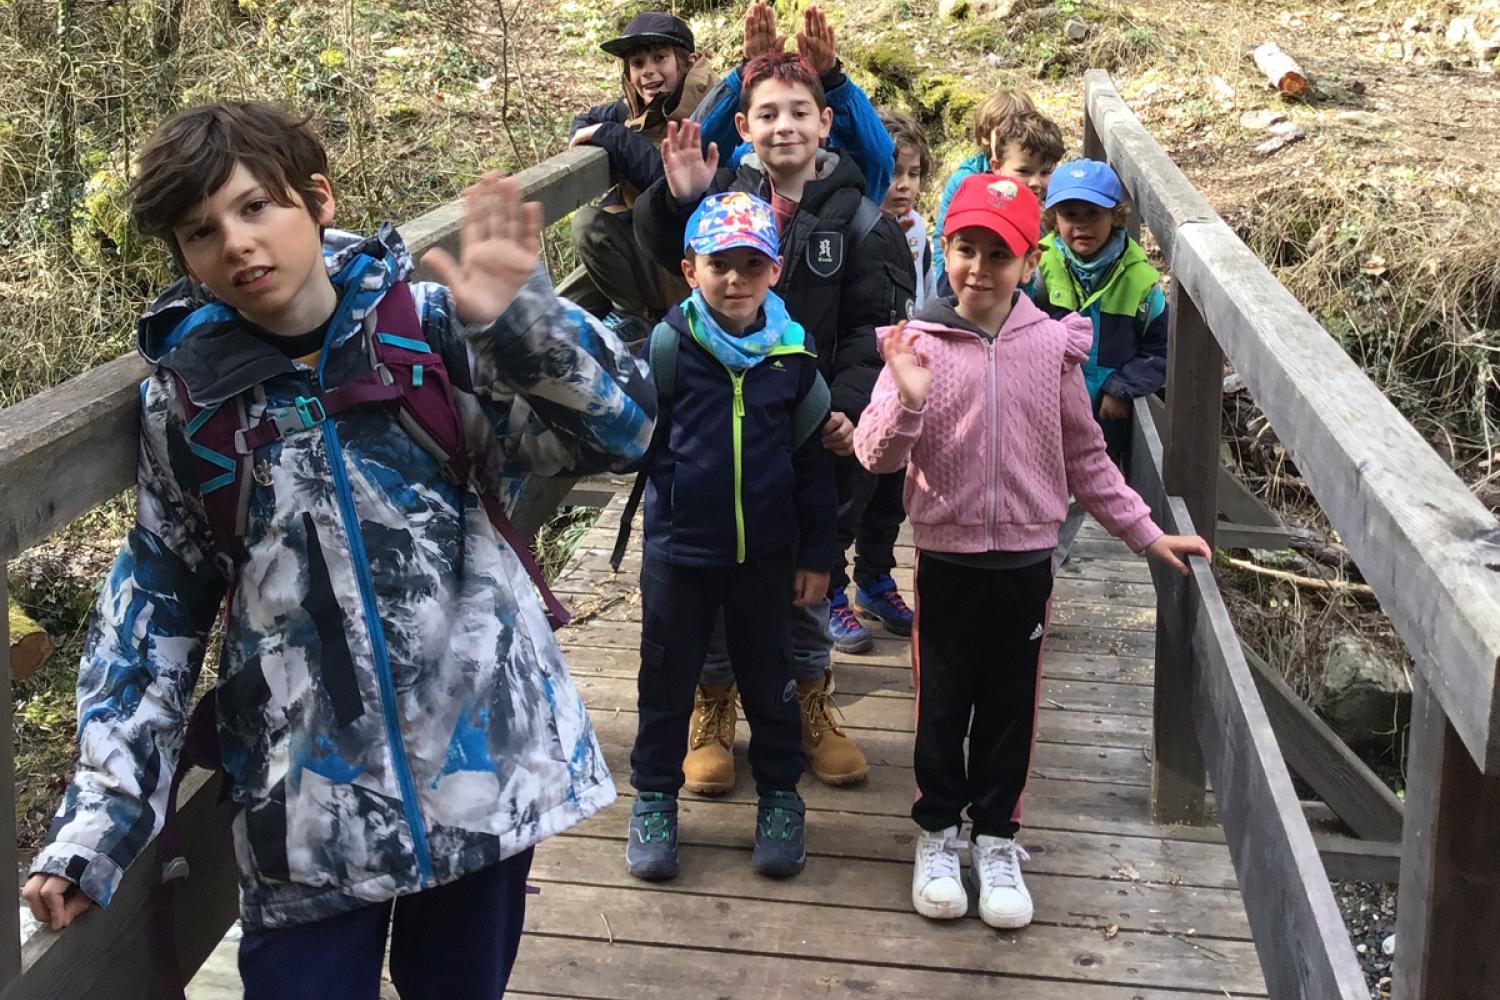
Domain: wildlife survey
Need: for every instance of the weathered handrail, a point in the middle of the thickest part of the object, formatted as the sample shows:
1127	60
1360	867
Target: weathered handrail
1425	544
64	452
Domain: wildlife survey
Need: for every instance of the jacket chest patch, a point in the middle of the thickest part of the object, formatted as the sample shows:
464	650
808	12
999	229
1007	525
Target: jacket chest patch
825	253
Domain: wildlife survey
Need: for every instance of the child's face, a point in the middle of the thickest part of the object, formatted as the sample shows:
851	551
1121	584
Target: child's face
653	71
906	183
1024	166
734	283
983	272
785	126
261	259
1084	227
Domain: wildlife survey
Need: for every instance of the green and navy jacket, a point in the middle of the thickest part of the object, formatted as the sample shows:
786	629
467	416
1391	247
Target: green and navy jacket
393	710
725	484
1124	301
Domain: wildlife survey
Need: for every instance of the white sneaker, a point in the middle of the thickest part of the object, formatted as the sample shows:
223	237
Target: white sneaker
996	865
937	890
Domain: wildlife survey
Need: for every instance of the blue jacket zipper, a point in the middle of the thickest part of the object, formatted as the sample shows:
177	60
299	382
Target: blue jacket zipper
409	806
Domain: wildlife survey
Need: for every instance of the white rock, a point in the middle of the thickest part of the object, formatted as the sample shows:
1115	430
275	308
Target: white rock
1363	119
1290	131
1461	32
1262	118
993	60
1270	146
1361	948
1388	946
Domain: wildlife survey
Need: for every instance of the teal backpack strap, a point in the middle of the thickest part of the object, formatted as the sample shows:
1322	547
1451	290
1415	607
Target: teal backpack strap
811	412
661	355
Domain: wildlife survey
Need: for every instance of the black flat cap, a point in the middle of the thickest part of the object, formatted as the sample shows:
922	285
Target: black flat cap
651	28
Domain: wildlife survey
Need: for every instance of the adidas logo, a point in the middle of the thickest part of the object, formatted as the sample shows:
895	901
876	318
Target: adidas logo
1036	633
777	364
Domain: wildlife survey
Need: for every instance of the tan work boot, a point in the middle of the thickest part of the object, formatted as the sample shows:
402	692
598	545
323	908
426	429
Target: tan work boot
708	768
830	754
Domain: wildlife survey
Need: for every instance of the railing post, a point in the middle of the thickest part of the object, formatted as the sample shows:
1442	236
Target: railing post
10	922
1190	467
1448	914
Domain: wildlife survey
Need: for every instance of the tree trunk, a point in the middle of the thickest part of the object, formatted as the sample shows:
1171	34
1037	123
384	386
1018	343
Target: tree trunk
29	645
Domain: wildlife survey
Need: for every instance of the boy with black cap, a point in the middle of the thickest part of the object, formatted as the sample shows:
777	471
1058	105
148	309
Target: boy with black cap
662	79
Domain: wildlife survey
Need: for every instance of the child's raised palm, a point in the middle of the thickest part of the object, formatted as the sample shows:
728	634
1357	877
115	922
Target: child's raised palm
907	365
497	250
688	172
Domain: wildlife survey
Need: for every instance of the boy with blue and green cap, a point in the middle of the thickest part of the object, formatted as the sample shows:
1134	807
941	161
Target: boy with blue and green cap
1091	266
740	517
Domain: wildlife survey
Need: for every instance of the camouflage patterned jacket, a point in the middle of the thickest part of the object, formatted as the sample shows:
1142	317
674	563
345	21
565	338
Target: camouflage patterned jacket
393	709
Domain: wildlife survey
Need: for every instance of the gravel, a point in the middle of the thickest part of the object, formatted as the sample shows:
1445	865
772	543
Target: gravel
1369	910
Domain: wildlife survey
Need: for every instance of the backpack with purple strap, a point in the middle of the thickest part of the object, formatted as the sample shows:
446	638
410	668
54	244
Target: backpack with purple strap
406	374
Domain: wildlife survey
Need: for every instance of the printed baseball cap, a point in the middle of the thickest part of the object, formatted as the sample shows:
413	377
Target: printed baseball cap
650	28
732	219
1085	180
1003	205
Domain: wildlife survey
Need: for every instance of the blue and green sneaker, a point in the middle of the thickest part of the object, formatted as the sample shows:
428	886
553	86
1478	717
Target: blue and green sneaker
651	844
780	835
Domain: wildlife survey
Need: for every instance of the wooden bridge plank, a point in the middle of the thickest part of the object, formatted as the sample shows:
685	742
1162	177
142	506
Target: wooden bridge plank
756	926
1061	638
1060	761
894	655
855	680
594	970
1105	857
885	885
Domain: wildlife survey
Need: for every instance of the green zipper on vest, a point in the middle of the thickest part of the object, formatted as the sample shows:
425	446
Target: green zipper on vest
737	432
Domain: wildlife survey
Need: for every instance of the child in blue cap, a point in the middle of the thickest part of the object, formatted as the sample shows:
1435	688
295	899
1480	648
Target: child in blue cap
740	518
1091	266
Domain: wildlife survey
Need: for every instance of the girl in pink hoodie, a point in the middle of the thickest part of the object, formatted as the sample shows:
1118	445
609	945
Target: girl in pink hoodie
983	401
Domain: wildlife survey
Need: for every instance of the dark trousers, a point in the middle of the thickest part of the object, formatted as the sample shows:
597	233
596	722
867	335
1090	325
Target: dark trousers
455	942
678	608
976	652
871	509
614	272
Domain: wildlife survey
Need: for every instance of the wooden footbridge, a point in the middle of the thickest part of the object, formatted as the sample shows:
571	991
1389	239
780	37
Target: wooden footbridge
1147	885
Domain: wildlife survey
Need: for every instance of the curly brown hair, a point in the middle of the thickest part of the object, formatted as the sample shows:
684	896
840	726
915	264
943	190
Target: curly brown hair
192	154
904	131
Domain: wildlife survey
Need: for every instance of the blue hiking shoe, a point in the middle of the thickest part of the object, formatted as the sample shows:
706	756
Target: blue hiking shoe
631	328
651	844
883	603
844	629
780	835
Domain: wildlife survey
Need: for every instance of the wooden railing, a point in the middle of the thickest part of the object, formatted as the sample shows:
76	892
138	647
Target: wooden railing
64	452
1427	547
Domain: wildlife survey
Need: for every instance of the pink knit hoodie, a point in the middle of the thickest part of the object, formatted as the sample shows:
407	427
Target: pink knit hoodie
1005	434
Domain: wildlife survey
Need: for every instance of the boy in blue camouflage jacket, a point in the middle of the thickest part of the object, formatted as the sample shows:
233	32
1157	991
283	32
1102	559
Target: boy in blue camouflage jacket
394	717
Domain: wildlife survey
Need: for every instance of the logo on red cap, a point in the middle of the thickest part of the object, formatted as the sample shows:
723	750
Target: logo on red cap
1002	191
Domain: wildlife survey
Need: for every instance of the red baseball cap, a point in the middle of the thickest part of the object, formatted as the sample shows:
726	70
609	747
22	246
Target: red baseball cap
1003	205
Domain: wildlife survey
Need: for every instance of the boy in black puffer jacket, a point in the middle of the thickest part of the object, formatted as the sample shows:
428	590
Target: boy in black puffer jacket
845	270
